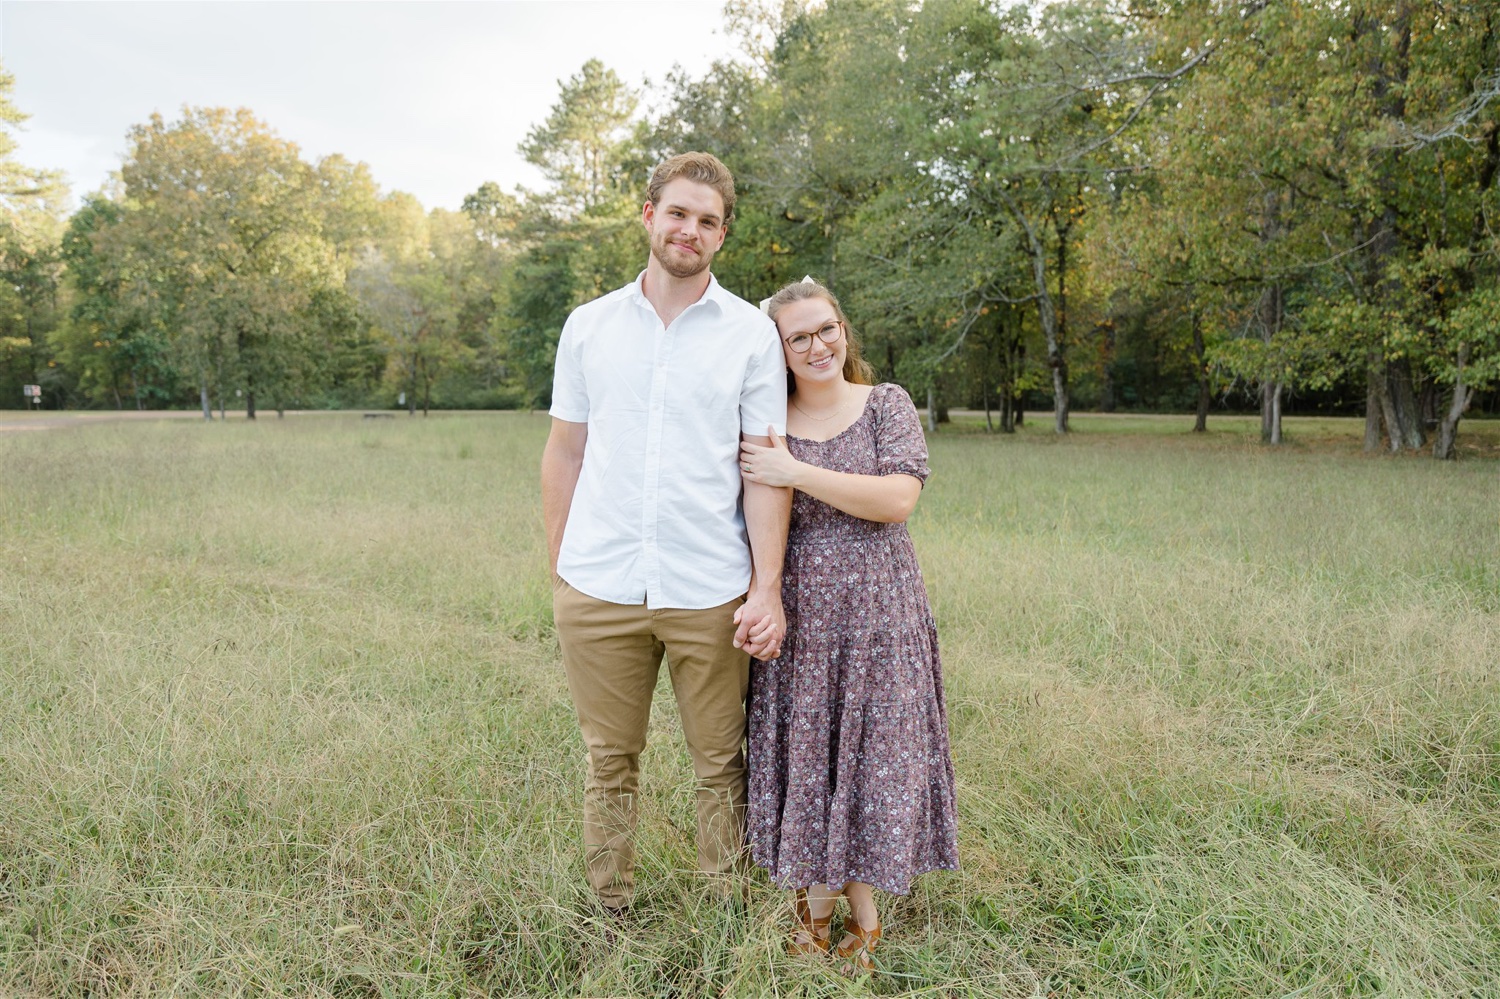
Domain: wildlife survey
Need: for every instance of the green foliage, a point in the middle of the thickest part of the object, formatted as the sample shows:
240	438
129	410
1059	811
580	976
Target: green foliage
578	147
541	289
222	218
1150	204
1293	169
575	241
30	267
112	348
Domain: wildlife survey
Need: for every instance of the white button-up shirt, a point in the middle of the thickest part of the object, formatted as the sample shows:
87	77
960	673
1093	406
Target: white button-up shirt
656	516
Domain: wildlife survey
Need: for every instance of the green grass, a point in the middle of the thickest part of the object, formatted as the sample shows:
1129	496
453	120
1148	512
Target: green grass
281	713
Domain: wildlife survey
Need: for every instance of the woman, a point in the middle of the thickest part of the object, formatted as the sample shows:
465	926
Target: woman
851	781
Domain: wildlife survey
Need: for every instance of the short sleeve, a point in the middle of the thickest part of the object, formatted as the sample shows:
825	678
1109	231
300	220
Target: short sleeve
900	448
570	397
763	397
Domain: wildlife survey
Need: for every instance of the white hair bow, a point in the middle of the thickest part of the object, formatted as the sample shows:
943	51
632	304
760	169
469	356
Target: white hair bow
765	303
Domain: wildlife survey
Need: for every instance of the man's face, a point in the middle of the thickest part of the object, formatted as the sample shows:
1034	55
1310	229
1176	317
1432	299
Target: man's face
686	226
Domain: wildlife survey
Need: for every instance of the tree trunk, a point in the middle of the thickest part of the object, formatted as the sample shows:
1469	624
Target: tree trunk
931	410
1443	448
1405	417
208	412
1047	313
1107	390
1374	400
1427	404
1271	306
1019	398
1388	412
1055	344
426	391
1270	412
1008	392
1387	74
1059	390
250	401
989	426
1200	365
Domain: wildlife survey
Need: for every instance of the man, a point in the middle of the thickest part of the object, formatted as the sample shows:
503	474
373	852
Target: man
647	524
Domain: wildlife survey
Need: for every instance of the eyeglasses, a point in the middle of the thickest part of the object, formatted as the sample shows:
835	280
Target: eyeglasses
829	332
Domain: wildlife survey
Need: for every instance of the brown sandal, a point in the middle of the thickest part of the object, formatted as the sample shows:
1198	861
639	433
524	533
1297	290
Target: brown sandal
811	935
857	946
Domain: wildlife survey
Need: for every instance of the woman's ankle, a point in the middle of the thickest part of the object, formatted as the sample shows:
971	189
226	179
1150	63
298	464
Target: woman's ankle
862	909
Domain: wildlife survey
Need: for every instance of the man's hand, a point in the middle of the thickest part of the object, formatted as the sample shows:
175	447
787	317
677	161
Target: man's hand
760	624
761	621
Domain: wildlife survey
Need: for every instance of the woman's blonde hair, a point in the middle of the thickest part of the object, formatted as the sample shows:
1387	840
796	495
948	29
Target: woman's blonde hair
856	368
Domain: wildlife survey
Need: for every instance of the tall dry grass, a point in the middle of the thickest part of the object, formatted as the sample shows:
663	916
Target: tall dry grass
280	712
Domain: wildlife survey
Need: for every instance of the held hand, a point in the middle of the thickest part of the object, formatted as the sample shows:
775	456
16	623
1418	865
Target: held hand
769	466
761	623
765	640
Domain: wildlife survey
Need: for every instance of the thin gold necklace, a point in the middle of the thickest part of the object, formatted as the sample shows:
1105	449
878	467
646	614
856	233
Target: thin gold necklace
824	419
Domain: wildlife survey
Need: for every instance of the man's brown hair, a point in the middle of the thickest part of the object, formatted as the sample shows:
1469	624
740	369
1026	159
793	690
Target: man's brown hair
703	168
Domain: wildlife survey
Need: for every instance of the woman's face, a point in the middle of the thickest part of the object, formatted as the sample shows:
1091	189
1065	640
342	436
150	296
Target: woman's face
821	361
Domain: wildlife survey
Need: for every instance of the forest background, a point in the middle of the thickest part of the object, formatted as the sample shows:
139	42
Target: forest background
1115	205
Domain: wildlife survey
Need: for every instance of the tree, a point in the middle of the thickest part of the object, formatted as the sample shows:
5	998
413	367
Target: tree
30	278
30	265
1427	186
389	282
113	344
224	218
998	131
396	298
1338	217
579	238
578	147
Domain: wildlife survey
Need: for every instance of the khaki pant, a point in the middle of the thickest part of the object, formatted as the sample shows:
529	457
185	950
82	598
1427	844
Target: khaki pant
612	653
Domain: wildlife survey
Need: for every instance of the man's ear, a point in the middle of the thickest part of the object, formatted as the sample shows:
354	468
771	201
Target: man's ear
648	214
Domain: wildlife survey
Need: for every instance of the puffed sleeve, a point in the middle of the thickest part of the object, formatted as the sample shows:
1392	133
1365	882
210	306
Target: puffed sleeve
900	448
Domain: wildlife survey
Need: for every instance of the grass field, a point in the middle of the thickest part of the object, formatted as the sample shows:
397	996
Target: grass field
281	713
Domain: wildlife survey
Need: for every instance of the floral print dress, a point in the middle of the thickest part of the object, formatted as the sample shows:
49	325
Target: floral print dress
851	778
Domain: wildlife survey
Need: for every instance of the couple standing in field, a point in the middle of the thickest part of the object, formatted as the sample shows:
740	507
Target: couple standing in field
681	523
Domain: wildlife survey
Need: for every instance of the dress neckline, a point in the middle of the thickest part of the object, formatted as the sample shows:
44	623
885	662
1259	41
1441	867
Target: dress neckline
857	421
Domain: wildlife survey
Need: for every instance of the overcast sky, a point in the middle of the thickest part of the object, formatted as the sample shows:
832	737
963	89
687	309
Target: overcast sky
433	96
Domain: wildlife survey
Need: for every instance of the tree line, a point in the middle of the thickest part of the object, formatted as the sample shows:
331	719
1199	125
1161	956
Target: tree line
1145	205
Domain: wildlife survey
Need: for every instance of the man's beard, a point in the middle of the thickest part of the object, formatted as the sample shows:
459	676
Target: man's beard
682	266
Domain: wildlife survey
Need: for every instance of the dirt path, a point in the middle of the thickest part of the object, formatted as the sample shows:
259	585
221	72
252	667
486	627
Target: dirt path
12	420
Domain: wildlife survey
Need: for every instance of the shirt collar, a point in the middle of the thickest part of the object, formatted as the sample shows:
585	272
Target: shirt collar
714	293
